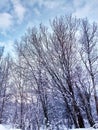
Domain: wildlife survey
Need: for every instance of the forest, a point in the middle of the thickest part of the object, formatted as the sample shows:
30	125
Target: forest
52	81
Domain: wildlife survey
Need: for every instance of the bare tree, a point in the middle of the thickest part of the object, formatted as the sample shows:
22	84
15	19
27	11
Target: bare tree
57	53
89	55
4	86
49	62
84	93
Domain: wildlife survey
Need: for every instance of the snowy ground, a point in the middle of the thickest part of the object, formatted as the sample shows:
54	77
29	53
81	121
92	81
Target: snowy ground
4	127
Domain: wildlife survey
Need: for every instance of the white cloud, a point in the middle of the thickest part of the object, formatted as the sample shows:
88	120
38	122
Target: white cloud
19	10
5	20
83	12
87	9
52	4
49	4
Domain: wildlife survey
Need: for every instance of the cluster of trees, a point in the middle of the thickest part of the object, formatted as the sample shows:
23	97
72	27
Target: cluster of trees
53	80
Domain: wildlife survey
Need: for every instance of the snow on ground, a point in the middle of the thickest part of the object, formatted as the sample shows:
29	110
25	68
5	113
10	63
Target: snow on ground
3	127
85	129
62	128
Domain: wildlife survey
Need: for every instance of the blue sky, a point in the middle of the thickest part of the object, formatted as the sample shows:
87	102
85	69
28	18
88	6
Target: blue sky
17	15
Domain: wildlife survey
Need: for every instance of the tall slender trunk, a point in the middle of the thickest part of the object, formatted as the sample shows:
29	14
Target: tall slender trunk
95	93
93	83
76	109
78	114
